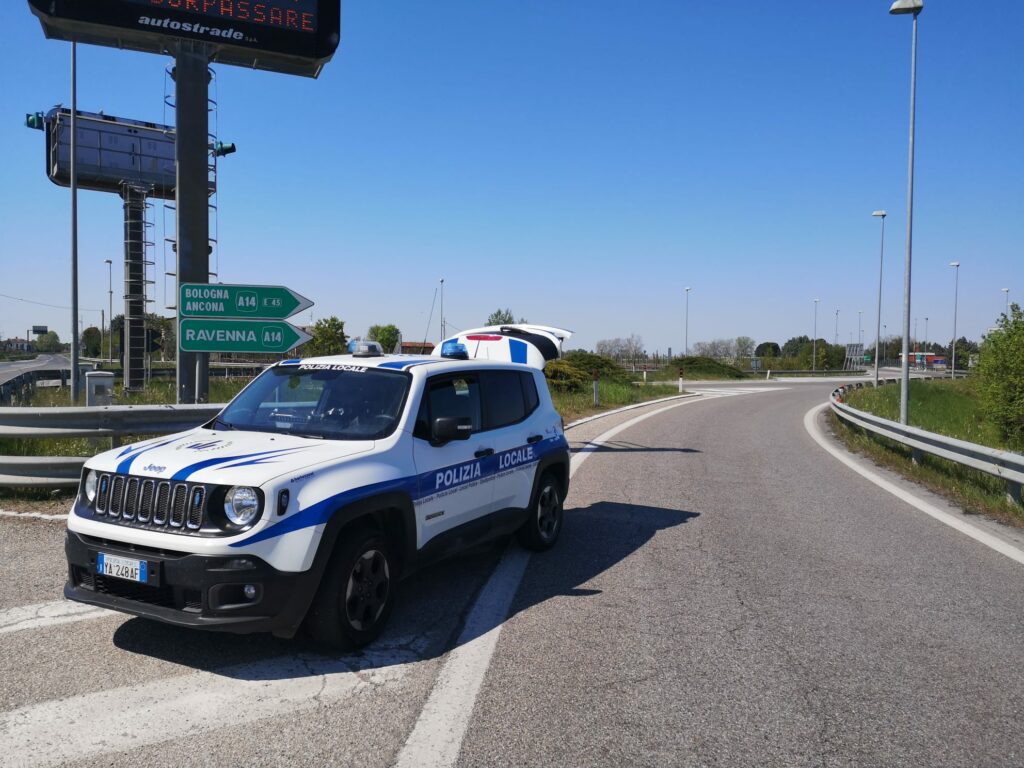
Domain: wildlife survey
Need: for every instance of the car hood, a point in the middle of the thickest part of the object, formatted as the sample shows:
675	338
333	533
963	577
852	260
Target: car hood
235	457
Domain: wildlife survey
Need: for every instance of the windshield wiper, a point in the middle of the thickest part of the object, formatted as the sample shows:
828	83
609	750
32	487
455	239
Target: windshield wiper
227	425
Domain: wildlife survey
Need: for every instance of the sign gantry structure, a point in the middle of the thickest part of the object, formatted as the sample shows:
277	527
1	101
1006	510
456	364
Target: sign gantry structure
295	37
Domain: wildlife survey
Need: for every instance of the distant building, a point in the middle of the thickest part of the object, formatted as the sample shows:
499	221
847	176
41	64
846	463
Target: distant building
16	345
417	347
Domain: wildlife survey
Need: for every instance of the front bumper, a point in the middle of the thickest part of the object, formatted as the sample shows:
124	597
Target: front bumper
200	591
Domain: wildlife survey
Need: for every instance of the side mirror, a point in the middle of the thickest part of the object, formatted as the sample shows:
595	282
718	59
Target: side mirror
447	428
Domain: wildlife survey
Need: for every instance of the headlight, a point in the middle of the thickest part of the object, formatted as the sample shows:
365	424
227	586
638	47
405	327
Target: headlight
241	505
89	486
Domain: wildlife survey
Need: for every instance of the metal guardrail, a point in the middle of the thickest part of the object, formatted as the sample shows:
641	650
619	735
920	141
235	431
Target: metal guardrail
113	421
1006	465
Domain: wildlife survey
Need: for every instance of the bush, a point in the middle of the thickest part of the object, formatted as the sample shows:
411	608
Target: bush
565	377
1001	376
706	366
588	362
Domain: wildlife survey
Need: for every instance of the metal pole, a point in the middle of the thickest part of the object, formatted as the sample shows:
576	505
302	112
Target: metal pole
814	340
442	309
905	368
837	328
956	291
878	321
686	327
110	309
74	223
191	148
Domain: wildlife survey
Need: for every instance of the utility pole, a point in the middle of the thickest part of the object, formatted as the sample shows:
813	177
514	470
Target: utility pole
686	325
814	339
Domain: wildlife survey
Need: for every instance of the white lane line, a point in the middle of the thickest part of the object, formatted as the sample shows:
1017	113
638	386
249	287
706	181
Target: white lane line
436	739
80	727
47	614
31	515
978	534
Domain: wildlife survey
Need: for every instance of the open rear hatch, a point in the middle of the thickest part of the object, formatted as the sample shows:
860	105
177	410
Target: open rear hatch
524	343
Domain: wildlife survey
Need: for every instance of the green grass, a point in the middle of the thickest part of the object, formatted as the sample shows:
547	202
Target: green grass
576	405
947	407
951	408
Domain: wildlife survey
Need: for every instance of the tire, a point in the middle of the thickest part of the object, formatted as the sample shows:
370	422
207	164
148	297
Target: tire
541	529
356	593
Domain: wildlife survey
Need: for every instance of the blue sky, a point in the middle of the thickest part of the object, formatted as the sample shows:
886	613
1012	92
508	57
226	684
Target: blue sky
578	161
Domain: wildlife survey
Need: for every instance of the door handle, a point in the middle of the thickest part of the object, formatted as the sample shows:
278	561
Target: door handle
484	452
534	439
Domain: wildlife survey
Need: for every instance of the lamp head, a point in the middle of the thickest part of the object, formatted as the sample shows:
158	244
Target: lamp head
882	214
901	7
954	263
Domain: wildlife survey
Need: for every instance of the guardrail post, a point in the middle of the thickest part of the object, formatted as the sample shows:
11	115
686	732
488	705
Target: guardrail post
916	455
680	385
1013	492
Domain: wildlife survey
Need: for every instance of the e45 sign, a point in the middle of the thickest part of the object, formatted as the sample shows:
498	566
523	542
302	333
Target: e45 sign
292	36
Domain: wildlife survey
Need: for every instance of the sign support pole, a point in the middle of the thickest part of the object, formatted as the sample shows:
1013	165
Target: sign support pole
74	224
191	81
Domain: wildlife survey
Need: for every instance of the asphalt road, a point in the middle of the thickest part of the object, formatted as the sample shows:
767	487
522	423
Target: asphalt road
12	369
725	593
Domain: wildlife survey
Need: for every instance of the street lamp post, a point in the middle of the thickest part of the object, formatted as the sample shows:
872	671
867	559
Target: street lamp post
956	291
442	309
913	7
878	321
110	308
814	340
1007	292
926	341
837	328
686	325
860	332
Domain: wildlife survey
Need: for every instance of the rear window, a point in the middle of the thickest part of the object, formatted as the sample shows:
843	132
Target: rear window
504	403
530	392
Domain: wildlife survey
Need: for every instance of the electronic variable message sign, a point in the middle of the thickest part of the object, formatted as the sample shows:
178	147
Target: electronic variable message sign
291	36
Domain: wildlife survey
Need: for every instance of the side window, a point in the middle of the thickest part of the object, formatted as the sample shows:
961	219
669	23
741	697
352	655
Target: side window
530	392
455	397
503	398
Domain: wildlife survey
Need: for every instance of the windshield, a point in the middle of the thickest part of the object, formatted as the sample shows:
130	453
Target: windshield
321	400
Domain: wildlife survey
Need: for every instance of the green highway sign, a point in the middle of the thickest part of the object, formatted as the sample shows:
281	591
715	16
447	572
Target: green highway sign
271	302
213	335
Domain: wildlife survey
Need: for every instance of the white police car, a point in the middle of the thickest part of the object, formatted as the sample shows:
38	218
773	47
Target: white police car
323	482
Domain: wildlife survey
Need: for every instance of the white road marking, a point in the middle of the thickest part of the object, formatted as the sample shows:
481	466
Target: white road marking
47	614
982	536
436	739
80	727
733	391
32	515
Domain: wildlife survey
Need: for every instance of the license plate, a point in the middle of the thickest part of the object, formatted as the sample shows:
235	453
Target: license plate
122	567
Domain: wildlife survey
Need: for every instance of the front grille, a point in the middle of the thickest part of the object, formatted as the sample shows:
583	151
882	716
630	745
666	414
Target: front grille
130	590
178	501
103	494
131	498
163	495
195	507
117	496
146	503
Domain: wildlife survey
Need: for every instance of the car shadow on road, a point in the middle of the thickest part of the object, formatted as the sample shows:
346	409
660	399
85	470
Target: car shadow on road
594	539
431	609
